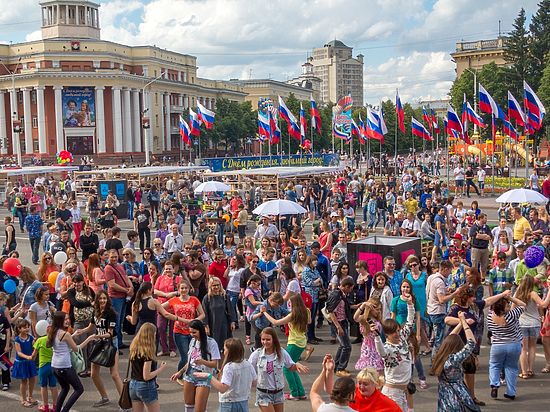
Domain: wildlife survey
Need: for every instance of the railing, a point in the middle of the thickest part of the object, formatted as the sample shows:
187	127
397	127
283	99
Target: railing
481	44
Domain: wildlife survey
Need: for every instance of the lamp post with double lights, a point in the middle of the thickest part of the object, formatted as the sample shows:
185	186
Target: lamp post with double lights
146	125
16	127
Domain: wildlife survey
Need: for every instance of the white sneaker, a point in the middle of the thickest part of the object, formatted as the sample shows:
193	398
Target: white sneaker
173	354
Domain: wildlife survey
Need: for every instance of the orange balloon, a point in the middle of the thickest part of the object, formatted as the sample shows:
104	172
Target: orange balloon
52	278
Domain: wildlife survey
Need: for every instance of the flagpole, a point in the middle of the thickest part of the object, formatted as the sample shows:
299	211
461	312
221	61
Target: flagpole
380	161
493	135
396	133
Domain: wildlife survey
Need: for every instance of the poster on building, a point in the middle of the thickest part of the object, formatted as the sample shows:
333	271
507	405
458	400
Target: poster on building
78	107
342	118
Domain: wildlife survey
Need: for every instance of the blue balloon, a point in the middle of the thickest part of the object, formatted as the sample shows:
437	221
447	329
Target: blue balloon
9	286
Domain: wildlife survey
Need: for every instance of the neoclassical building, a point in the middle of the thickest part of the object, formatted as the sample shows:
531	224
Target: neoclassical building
71	90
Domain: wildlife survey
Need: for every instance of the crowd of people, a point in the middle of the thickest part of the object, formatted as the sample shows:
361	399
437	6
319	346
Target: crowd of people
182	281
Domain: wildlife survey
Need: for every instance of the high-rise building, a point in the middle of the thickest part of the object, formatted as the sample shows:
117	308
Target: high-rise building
340	73
73	91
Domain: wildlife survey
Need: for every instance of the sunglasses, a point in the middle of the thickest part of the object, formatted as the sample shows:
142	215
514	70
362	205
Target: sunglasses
70	270
255	261
413	264
125	254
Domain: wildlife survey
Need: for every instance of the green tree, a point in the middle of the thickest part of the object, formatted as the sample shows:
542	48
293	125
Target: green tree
539	43
516	54
544	89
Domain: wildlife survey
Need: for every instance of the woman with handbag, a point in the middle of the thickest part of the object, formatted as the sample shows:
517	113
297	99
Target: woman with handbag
103	353
453	394
62	343
143	386
81	298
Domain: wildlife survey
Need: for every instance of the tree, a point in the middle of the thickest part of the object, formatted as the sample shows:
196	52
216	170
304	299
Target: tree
539	42
516	54
544	88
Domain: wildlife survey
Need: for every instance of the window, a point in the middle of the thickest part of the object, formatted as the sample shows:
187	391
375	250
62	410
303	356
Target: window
33	96
35	122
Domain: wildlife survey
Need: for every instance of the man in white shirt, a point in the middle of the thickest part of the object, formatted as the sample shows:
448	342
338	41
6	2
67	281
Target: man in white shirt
481	179
410	226
174	240
459	175
266	229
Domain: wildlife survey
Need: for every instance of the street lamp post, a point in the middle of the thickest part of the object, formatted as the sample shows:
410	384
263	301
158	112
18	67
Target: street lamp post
146	139
17	146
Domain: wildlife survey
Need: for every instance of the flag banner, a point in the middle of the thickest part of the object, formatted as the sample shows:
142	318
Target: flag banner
315	116
194	123
373	126
292	125
515	112
303	125
488	105
269	116
400	113
419	130
509	130
220	164
473	117
264	127
435	122
341	118
533	106
185	132
206	116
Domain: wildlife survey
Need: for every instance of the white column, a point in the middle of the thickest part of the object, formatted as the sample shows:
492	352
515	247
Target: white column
59	133
136	121
168	127
117	119
127	121
162	123
28	120
180	100
41	113
14	116
186	101
100	119
3	125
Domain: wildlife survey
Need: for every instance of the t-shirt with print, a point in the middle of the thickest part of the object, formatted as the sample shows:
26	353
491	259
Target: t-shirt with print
43	312
287	363
239	378
142	218
106	321
195	353
184	310
4	327
45	354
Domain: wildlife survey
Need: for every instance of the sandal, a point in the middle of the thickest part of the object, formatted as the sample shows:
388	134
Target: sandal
32	401
530	374
26	404
523	376
546	369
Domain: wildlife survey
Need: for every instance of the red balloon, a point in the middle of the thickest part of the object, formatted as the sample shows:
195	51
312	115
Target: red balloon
12	266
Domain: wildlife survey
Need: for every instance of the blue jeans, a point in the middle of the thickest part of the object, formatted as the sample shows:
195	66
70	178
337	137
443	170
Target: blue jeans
241	406
344	349
419	368
182	343
131	210
21	214
35	248
365	211
438	322
381	216
311	326
505	356
119	306
220	229
234	299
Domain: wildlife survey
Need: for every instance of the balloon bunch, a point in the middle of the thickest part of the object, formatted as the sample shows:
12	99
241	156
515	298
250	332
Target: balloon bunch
306	145
64	157
12	267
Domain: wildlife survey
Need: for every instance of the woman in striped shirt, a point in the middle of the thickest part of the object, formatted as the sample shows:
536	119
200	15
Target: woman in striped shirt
503	323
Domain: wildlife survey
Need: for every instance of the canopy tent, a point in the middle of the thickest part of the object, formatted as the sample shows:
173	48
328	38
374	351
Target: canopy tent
146	170
37	170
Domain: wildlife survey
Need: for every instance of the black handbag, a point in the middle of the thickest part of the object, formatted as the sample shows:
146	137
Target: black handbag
124	401
103	353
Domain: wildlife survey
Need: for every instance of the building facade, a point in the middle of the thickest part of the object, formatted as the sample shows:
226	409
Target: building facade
340	73
73	91
474	55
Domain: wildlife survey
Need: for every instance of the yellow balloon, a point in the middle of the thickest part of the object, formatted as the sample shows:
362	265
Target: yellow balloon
52	278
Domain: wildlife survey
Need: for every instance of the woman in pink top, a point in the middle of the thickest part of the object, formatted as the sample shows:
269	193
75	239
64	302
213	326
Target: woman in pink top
166	287
94	273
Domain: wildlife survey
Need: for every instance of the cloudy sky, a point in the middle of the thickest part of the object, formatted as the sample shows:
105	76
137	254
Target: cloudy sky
406	43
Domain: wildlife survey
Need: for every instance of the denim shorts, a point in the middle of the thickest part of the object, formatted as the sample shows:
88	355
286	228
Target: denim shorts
190	377
145	392
46	378
265	399
530	332
241	406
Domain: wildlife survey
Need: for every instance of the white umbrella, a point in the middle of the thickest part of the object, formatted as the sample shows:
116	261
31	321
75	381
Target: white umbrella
279	207
522	196
212	186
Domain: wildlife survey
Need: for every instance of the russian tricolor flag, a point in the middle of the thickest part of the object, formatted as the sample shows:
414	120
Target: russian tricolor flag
453	122
515	112
264	127
488	105
362	131
419	130
194	123
292	126
400	113
373	125
275	131
533	106
473	117
303	124
185	132
315	116
357	130
426	117
338	134
435	122
509	130
205	115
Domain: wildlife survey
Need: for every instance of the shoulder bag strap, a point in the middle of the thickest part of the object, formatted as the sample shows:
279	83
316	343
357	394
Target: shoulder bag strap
128	367
120	274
